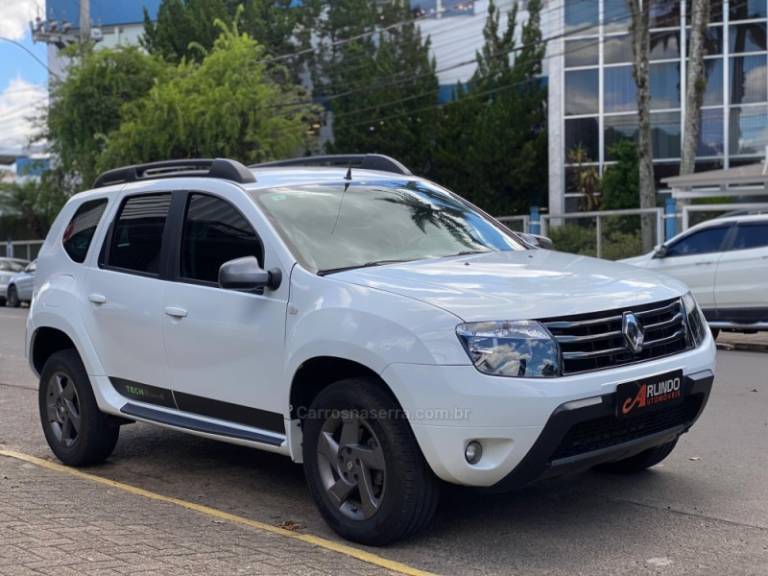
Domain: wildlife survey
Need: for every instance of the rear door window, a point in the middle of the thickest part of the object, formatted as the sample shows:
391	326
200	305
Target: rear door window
751	236
80	230
137	237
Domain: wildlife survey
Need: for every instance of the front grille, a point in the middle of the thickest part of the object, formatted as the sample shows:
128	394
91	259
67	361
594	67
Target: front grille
608	431
595	341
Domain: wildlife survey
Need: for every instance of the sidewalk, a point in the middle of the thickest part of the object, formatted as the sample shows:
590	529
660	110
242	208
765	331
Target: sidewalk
55	524
738	341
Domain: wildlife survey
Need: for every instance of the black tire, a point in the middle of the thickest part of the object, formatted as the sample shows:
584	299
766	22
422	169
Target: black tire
12	298
639	462
408	490
65	393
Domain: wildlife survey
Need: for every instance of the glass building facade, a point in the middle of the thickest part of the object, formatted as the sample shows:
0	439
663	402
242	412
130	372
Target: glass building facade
595	108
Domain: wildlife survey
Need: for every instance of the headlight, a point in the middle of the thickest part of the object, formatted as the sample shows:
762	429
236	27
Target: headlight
521	348
697	324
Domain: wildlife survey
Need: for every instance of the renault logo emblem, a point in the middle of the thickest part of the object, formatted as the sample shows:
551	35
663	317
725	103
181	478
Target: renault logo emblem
633	332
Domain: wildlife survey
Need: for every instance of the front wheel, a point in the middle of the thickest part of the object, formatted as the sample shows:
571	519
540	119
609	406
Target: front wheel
639	462
78	433
364	468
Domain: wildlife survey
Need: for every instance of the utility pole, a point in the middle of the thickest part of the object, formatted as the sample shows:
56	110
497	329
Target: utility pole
85	22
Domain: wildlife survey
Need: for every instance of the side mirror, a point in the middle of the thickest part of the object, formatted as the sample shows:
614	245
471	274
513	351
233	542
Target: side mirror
247	275
660	251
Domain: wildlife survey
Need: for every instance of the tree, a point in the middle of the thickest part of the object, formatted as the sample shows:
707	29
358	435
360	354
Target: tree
696	83
86	106
226	105
640	13
35	202
386	81
492	144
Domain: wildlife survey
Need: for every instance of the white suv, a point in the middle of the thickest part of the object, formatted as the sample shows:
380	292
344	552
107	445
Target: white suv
362	321
725	264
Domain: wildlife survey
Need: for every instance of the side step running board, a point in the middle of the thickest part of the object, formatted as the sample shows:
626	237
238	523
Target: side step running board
189	423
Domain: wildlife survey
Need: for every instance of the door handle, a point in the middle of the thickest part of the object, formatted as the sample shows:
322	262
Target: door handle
97	298
175	312
704	263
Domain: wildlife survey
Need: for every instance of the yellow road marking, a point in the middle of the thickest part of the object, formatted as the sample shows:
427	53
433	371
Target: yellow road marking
350	551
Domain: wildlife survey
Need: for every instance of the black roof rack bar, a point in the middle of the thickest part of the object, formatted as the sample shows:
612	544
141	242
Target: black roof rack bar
201	167
378	162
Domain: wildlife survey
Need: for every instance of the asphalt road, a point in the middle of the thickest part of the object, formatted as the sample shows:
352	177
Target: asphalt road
703	511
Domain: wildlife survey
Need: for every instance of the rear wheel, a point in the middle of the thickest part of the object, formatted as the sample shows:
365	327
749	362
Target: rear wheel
12	299
76	430
364	468
639	462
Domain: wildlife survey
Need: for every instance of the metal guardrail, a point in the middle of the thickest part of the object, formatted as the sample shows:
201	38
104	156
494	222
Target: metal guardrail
688	209
26	249
516	223
599	216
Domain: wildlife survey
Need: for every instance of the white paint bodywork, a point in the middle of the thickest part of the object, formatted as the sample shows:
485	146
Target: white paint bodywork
397	320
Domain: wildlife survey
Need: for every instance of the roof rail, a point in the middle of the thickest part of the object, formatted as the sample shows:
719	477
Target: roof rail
200	167
378	162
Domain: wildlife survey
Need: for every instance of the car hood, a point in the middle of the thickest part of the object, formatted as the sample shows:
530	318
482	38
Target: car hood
641	260
517	285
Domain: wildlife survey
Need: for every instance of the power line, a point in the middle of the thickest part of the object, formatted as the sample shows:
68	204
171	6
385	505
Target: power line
28	51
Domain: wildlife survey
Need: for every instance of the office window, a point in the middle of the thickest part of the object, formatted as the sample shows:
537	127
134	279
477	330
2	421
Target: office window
713	93
619	129
617	49
665	45
458	7
581	92
581	17
747	9
665	85
581	53
662	170
711	138
616	16
665	13
748	79
582	132
748	130
620	91
665	134
424	8
747	37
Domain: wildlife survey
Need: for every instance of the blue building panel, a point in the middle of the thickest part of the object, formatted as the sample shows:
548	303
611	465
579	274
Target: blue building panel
103	12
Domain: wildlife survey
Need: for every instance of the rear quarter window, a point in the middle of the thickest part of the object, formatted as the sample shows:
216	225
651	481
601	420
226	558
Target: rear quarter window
80	230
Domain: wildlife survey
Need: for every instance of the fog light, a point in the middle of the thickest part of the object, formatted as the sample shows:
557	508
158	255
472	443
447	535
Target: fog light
473	452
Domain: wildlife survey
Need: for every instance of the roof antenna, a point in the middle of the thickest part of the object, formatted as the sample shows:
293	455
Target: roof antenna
349	174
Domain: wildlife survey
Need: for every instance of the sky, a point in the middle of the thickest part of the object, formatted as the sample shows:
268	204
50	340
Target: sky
23	81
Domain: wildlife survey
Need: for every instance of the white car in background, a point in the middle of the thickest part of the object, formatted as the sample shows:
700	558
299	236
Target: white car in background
9	267
725	264
20	286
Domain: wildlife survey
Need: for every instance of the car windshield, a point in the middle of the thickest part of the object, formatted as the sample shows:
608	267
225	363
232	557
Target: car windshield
11	266
333	227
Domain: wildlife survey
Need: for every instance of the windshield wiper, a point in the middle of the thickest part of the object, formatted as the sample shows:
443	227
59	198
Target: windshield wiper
366	265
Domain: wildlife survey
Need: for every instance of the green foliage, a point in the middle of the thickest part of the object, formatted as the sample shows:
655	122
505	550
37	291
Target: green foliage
227	105
621	181
386	80
574	239
185	29
86	106
33	203
492	141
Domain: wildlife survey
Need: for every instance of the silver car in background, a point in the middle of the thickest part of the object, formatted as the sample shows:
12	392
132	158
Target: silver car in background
8	268
20	286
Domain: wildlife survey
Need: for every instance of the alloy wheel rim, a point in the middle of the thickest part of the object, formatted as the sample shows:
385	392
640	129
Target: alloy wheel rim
63	409
352	466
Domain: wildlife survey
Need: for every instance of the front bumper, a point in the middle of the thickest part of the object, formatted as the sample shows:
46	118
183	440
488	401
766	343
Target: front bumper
521	423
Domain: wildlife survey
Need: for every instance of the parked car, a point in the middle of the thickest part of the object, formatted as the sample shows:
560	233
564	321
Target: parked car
725	264
9	267
364	322
20	286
